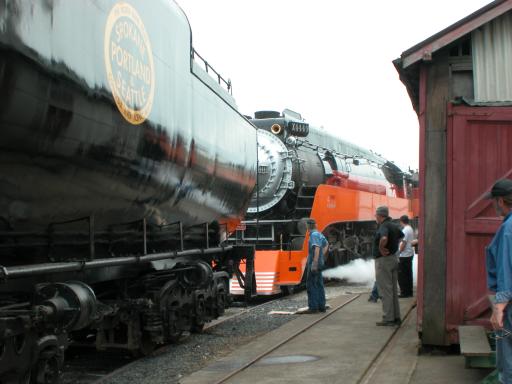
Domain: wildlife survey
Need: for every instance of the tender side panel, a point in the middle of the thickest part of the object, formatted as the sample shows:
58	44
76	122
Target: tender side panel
192	159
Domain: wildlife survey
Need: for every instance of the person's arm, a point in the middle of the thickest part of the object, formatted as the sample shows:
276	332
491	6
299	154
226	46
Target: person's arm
403	243
407	238
383	233
498	311
504	285
316	256
382	246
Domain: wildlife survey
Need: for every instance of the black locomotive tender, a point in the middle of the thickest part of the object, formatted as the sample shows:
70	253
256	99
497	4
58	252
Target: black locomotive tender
121	161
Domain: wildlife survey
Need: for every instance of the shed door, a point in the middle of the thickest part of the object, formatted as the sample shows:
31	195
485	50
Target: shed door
479	151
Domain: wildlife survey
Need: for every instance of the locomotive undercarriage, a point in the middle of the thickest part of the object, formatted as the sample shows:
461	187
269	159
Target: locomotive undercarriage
102	296
349	241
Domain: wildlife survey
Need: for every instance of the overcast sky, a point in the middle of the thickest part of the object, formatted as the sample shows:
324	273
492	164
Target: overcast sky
330	60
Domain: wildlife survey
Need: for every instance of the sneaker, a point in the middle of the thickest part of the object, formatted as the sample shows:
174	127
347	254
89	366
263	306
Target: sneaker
309	312
372	299
387	323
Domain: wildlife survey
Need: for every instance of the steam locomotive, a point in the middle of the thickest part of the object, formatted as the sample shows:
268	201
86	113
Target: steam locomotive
123	165
305	172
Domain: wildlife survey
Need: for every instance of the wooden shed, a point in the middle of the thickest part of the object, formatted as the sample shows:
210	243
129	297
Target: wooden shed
460	85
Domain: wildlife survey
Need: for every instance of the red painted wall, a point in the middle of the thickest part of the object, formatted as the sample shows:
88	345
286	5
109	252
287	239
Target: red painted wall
479	142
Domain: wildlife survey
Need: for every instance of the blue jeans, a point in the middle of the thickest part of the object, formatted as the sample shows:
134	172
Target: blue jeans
374	295
316	291
504	348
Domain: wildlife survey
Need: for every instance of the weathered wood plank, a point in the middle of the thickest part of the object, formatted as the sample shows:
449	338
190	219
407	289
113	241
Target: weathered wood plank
473	341
434	208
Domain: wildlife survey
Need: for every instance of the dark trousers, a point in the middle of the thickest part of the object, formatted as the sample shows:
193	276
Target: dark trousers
316	291
386	271
405	276
374	295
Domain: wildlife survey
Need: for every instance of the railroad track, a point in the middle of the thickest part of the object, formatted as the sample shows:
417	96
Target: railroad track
371	372
253	361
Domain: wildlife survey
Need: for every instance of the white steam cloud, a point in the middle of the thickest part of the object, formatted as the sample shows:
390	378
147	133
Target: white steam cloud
360	271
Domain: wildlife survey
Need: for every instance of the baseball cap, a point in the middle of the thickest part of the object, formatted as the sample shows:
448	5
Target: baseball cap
502	187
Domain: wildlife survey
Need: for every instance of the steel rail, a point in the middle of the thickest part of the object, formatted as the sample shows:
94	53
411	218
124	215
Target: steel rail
372	367
281	343
219	321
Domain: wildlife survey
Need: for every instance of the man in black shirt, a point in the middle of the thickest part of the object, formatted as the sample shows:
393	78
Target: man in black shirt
385	251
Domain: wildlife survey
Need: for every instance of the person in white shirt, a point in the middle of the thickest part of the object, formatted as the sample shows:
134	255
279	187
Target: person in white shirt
406	256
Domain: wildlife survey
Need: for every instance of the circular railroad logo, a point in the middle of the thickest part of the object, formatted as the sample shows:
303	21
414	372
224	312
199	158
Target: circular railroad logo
129	63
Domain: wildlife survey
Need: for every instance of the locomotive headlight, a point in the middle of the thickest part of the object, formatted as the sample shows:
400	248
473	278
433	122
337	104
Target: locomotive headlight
276	129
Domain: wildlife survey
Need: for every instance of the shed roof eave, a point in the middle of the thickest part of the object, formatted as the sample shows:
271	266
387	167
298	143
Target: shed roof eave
448	35
409	83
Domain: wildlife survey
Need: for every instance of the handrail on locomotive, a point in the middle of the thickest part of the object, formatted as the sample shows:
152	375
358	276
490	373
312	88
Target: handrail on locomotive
208	68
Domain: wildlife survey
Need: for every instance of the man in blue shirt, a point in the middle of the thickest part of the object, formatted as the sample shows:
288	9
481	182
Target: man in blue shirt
317	248
499	278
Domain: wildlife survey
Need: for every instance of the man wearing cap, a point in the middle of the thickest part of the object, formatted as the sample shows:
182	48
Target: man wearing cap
385	251
499	278
317	247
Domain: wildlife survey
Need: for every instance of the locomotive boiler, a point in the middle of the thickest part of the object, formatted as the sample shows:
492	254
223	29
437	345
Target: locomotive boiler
304	172
123	164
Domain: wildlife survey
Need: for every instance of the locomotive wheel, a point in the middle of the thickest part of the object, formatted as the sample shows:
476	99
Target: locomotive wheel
288	289
197	327
221	299
147	345
48	367
171	301
25	378
198	321
174	333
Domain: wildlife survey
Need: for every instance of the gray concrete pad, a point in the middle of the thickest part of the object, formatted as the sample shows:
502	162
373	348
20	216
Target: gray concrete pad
400	363
446	370
346	347
339	349
398	360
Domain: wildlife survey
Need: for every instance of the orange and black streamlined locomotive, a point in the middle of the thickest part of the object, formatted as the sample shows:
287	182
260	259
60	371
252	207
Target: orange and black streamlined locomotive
305	172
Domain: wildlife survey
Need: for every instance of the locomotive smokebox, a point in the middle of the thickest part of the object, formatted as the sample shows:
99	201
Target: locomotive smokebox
274	172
